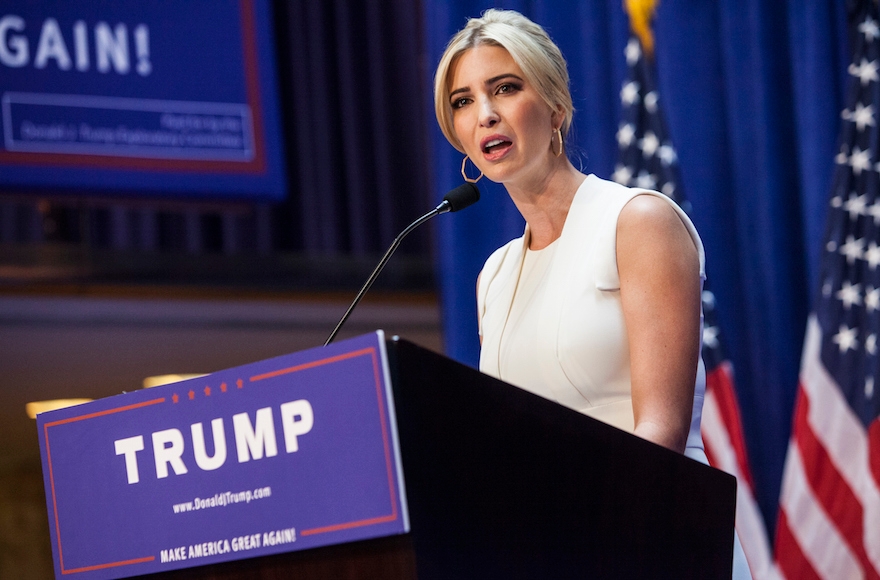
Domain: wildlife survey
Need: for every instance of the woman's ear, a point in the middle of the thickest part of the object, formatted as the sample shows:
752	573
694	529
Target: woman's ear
557	117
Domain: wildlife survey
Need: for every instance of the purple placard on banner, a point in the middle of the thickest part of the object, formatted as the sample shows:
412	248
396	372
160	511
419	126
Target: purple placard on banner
286	454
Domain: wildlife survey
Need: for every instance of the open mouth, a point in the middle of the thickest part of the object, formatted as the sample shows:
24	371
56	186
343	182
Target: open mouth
495	145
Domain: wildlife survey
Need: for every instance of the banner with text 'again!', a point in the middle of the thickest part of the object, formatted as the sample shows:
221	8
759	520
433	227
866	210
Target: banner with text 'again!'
132	97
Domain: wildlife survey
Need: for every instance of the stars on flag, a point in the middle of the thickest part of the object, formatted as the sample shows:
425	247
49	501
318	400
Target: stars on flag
649	144
860	160
632	52
648	160
849	294
645	180
651	100
626	134
855	205
872	299
850	300
853	249
622	174
870	29
710	336
863	116
865	71
708	299
629	94
872	256
874	212
846	338
871	347
667	155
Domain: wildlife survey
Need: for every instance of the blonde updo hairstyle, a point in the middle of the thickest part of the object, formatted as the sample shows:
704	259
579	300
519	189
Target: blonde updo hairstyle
530	47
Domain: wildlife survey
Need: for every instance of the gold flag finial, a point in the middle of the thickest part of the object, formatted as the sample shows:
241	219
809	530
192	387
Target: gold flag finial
641	12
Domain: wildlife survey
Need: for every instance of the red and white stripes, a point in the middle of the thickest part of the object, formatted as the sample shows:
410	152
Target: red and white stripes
726	450
829	522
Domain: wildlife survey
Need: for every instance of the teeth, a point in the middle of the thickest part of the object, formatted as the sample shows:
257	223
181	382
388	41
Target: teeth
493	143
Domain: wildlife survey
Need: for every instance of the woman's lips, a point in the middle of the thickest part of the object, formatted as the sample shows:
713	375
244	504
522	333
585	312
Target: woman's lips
495	146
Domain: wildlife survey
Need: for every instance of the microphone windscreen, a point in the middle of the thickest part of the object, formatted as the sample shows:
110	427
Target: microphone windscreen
462	196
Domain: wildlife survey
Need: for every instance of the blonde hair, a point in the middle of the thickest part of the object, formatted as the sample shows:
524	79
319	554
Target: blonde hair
530	47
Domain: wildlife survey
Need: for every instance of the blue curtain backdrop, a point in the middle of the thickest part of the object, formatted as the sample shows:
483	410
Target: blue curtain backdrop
752	91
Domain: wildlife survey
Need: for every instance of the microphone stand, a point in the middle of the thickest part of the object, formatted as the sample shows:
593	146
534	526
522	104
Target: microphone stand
444	207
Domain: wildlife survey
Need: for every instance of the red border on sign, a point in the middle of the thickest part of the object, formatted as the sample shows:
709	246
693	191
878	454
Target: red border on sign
252	85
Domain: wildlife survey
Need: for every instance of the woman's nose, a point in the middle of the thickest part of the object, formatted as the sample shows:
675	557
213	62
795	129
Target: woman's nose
488	114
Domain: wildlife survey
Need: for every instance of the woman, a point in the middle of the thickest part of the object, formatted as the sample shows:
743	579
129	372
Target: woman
597	306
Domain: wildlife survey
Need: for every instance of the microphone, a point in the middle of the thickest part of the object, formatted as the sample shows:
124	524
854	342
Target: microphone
461	197
457	199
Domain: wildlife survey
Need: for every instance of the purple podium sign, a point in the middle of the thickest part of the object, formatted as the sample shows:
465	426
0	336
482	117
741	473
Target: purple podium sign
286	454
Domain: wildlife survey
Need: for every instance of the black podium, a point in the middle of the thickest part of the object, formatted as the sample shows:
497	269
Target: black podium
501	483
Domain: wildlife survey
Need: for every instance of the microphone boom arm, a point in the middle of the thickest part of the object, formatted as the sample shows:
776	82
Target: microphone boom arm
442	208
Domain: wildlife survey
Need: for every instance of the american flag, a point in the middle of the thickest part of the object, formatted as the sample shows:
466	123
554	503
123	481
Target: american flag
648	160
829	518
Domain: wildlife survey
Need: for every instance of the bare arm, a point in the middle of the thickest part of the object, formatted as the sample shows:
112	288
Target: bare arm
660	295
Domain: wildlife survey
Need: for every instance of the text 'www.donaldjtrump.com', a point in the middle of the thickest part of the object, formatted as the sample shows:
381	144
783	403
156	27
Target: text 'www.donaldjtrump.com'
222	500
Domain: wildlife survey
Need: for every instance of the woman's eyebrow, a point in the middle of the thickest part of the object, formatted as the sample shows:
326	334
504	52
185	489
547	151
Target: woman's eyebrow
490	81
461	90
495	79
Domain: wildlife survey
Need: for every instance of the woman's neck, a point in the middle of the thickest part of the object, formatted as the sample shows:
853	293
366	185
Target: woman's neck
545	204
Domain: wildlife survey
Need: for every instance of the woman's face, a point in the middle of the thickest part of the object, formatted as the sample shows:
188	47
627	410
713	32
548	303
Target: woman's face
502	123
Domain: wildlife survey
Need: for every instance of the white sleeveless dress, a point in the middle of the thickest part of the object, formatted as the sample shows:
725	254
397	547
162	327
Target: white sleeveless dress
551	321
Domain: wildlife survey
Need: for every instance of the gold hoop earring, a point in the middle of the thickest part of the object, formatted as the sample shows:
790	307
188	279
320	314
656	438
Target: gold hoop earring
464	175
558	132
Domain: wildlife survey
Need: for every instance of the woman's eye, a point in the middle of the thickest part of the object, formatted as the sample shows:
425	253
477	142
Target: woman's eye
506	88
459	103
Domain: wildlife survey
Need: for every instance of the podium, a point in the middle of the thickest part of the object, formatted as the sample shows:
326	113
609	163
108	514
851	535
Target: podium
501	483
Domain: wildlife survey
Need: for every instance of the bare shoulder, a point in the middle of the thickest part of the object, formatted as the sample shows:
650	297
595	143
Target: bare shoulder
647	217
649	211
651	234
